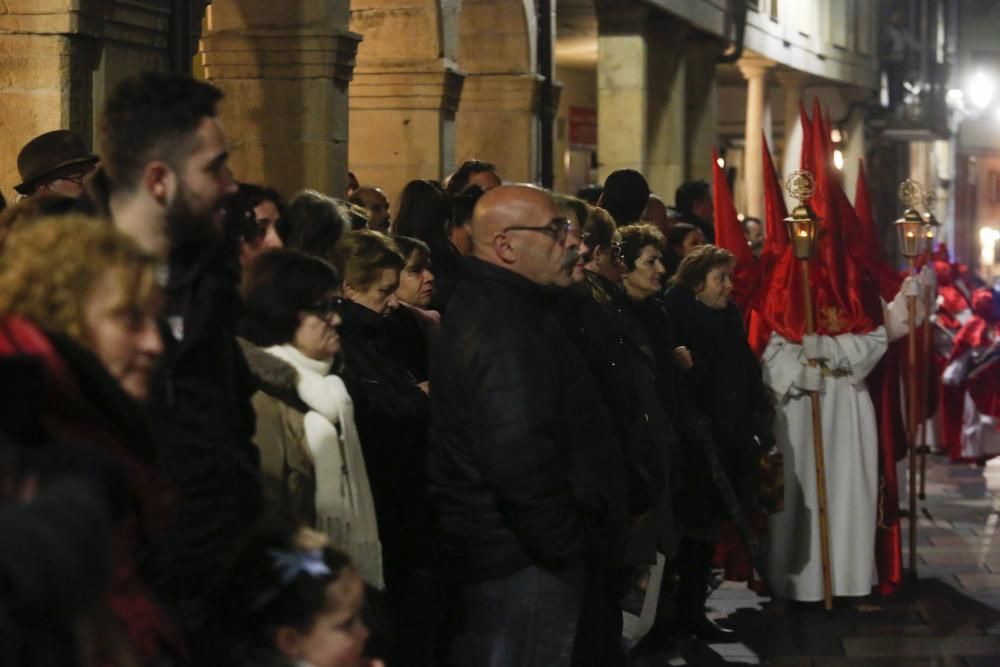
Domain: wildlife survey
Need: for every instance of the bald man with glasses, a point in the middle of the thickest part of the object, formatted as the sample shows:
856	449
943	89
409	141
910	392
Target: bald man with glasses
525	489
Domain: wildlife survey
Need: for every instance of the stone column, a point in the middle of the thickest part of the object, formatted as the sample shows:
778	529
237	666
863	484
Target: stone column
60	60
702	131
498	119
641	94
498	122
793	84
405	93
285	69
755	72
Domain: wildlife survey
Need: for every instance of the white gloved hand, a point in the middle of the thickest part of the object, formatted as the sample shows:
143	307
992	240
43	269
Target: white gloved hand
810	378
911	287
928	278
814	347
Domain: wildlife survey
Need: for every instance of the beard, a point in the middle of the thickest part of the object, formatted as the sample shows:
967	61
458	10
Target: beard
187	227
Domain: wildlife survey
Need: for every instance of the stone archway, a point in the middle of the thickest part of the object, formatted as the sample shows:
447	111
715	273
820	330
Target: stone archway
405	91
498	118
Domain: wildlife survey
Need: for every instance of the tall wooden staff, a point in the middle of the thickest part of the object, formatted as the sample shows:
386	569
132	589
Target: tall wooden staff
910	229
931	226
803	226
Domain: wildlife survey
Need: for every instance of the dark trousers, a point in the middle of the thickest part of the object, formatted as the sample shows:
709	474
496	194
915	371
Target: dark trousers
416	602
599	634
526	619
694	567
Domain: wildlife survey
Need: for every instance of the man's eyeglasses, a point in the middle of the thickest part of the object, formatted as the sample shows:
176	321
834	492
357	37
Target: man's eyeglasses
326	307
557	229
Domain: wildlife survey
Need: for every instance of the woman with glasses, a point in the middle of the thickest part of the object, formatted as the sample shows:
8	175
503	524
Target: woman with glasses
392	410
312	463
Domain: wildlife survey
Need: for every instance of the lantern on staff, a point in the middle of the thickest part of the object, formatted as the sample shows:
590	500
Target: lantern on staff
802	224
910	227
912	237
931	228
803	230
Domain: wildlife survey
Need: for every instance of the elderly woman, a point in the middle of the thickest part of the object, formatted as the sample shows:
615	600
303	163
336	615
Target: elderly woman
311	460
392	414
80	341
425	213
726	386
643	282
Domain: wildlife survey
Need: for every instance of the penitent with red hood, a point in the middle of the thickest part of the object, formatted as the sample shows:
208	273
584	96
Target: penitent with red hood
974	369
851	338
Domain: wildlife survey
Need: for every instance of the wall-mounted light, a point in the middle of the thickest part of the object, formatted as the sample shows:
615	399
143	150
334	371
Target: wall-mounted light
988	237
838	159
836	136
954	97
722	163
981	90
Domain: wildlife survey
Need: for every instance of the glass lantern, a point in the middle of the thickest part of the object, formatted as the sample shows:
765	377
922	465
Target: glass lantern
911	233
803	229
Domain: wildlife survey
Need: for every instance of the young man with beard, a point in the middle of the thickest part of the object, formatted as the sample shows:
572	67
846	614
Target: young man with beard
163	181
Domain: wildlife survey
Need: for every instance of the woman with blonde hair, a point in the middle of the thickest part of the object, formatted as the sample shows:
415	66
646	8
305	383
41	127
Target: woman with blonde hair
79	340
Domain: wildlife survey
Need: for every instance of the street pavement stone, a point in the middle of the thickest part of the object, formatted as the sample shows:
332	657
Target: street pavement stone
949	618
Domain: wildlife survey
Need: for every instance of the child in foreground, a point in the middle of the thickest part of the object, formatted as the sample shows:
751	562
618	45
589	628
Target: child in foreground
296	602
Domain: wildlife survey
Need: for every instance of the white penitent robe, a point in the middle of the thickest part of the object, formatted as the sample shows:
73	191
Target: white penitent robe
850	440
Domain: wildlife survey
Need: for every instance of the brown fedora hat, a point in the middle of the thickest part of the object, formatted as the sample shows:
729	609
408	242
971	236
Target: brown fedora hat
49	153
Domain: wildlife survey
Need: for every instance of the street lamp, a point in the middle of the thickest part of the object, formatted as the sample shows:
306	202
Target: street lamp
981	89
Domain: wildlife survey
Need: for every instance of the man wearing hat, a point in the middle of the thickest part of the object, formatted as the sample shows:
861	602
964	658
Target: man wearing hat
56	162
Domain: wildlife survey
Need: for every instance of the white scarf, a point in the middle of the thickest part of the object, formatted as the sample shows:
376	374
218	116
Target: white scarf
345	509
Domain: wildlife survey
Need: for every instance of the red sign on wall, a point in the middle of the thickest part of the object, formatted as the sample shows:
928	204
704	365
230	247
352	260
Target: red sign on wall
583	127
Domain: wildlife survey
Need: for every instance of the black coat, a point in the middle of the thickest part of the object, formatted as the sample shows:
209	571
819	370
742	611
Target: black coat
203	425
402	339
599	320
726	386
392	415
524	466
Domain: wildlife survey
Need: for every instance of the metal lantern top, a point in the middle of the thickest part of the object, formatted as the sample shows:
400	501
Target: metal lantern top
803	224
910	227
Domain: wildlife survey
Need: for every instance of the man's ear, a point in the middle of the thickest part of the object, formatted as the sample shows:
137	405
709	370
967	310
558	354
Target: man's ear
288	640
160	181
503	249
347	291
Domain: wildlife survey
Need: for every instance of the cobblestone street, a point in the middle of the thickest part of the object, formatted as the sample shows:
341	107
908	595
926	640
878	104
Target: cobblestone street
950	617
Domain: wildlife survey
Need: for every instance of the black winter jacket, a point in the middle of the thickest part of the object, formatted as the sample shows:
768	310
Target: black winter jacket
726	386
524	465
203	425
392	416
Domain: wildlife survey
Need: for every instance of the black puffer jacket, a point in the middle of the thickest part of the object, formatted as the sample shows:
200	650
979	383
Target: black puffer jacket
524	465
726	386
392	417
